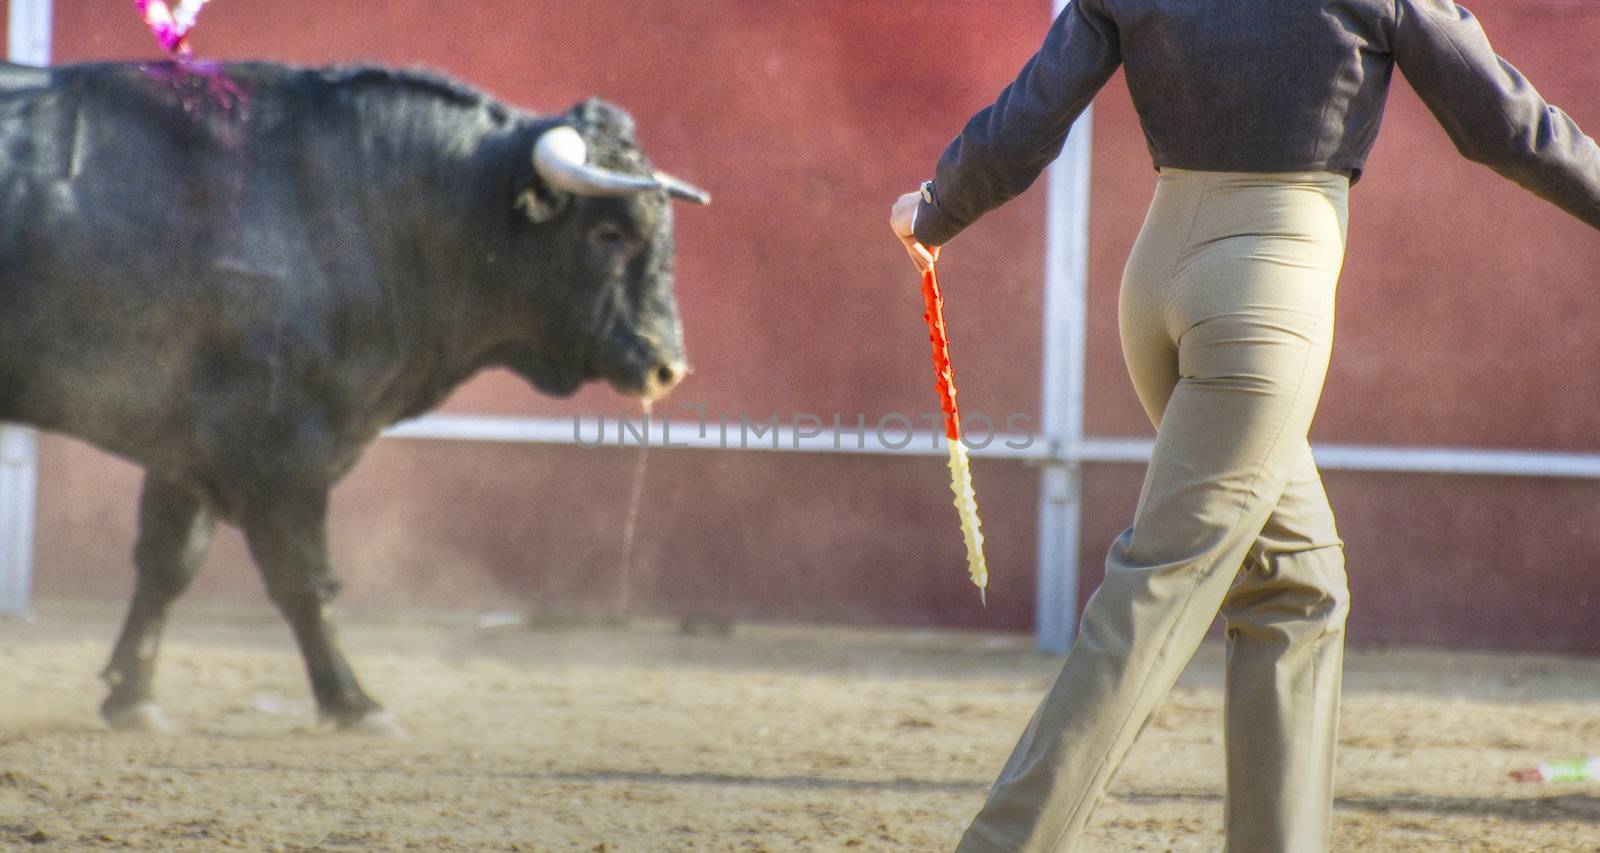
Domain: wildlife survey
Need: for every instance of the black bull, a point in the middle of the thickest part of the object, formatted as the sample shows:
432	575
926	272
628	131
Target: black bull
236	276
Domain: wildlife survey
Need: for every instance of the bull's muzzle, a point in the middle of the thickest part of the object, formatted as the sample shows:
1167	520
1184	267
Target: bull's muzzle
663	378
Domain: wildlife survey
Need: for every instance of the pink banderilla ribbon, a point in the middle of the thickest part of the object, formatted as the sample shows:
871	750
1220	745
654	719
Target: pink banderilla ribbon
171	25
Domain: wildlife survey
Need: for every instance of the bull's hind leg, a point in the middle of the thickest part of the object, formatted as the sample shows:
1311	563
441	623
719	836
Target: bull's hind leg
174	530
288	539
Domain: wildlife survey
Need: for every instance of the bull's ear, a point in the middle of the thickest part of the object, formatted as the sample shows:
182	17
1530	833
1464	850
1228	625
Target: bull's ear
541	203
603	119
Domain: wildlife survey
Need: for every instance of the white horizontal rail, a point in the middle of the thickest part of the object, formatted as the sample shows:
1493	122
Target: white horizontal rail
681	434
1397	460
730	435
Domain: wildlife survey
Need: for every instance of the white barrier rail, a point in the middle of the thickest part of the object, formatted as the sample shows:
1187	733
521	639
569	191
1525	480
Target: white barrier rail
1486	462
1036	449
18	446
733	435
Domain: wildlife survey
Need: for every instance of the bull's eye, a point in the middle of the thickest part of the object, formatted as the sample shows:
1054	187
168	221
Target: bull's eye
608	237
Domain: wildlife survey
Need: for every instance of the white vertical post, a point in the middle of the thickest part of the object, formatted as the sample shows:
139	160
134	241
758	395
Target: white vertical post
28	41
1066	278
18	471
28	32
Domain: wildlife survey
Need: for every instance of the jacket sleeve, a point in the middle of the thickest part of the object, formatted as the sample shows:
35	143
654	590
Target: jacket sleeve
1491	112
1006	145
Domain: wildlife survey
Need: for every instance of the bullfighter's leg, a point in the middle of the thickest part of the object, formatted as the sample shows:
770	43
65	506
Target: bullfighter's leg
175	528
1285	617
288	538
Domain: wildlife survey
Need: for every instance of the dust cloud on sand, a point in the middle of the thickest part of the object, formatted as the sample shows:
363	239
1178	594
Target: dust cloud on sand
777	738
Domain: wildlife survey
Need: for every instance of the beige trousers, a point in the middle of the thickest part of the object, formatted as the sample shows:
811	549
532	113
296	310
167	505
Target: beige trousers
1226	317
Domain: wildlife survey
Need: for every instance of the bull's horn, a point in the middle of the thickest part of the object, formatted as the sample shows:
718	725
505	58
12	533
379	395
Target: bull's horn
561	158
682	189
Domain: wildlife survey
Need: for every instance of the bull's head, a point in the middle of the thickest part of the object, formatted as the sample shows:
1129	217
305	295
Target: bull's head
609	213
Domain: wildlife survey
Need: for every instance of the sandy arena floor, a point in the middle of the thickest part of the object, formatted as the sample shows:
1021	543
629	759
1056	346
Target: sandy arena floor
644	739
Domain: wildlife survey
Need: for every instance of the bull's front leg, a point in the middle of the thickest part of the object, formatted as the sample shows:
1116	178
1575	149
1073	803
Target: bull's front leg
174	530
287	536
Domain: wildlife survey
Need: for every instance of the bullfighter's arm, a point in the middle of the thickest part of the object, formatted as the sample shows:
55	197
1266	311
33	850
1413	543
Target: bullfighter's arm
1491	112
1007	144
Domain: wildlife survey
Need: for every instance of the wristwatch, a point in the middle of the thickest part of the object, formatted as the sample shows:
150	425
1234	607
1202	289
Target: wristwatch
927	193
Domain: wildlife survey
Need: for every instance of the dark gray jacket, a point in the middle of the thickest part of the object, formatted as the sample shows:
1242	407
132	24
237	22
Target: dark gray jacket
1266	86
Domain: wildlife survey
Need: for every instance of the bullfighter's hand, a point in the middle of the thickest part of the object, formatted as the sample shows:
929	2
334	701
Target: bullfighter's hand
903	220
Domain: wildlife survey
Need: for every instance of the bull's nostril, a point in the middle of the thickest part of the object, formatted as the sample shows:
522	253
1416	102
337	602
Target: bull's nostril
662	378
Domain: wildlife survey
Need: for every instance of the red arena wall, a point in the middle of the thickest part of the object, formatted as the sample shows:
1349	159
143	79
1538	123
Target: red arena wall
1466	318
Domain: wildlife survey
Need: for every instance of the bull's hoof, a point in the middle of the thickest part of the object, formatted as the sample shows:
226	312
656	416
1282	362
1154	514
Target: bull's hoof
146	717
375	723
